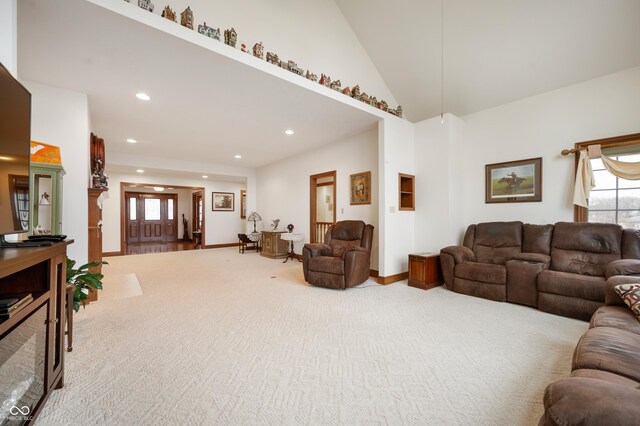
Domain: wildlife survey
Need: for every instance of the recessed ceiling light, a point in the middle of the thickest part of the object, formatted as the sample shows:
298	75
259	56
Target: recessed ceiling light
140	171
158	188
204	176
288	132
132	140
238	156
143	96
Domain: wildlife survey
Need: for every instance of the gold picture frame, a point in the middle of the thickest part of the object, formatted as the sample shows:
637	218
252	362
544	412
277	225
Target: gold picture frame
361	188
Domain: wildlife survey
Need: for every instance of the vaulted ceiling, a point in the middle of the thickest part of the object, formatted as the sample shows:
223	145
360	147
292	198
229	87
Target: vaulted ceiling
495	51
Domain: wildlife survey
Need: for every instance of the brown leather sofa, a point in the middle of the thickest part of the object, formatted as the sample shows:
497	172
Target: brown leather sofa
604	387
343	261
559	268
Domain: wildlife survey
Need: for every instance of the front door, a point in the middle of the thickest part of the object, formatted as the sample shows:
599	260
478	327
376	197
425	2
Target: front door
151	218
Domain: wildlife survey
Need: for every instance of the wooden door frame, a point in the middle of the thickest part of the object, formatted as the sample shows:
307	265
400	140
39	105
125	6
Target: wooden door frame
160	195
123	185
313	185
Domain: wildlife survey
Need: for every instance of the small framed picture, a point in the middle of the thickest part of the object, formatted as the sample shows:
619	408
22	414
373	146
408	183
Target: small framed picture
222	201
514	181
361	188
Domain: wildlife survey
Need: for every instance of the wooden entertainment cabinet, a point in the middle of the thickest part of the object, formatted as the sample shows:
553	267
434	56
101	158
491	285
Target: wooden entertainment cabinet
33	338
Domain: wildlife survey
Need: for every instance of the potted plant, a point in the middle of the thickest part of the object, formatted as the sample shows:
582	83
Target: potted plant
84	281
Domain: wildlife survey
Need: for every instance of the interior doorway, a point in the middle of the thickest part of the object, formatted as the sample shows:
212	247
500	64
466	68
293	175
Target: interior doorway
322	204
155	218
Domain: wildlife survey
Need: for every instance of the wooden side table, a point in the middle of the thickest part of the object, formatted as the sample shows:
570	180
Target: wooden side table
424	270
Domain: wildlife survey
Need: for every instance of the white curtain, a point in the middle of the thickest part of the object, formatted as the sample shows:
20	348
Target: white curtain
584	175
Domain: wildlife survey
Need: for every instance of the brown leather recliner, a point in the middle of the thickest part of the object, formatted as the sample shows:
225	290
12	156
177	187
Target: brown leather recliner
344	260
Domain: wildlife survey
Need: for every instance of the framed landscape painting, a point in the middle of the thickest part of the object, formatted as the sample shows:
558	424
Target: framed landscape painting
514	181
222	201
361	188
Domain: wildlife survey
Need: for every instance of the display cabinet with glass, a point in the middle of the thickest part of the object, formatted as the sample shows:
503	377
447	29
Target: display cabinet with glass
46	199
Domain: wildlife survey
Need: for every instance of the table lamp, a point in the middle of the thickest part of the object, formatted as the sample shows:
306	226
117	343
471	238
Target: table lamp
254	217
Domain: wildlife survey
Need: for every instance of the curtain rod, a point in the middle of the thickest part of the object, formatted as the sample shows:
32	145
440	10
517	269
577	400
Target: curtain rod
572	151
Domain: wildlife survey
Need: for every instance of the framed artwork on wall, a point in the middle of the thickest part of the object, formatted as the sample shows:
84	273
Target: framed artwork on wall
361	188
222	201
514	181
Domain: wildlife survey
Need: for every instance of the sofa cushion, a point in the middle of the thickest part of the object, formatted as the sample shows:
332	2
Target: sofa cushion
586	401
605	375
536	238
616	317
609	349
482	272
630	293
574	285
585	248
628	267
631	244
328	264
497	242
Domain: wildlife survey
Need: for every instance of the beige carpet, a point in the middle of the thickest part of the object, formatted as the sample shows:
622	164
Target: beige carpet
222	338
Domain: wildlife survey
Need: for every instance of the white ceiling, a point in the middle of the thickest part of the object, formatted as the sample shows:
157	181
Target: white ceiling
495	51
205	107
208	107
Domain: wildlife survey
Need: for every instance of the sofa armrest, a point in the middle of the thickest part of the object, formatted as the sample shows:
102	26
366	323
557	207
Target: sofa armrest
532	257
317	249
611	298
460	253
587	401
623	267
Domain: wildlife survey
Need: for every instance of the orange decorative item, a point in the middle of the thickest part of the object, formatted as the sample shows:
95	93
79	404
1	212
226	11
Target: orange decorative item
45	153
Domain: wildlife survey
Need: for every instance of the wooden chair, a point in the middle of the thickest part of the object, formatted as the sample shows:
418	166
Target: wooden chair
245	242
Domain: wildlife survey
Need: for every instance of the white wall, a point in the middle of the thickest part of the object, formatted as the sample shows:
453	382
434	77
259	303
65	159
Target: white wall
541	126
283	187
221	227
60	117
454	155
8	35
313	33
396	154
439	183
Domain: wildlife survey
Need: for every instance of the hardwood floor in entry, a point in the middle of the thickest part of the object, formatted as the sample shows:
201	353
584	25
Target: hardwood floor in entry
144	248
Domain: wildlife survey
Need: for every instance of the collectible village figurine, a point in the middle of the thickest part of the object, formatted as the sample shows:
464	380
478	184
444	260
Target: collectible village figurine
230	37
311	76
336	85
209	32
272	58
325	80
243	48
186	18
258	50
291	66
146	5
169	14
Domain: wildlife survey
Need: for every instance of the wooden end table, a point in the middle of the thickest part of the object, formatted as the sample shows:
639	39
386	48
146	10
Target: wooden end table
424	270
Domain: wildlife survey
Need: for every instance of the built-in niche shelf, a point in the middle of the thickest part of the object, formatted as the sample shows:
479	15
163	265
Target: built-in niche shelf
406	191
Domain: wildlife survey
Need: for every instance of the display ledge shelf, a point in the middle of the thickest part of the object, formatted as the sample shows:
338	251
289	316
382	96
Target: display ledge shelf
153	20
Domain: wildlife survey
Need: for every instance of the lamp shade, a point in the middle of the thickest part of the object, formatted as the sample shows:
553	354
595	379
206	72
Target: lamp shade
254	216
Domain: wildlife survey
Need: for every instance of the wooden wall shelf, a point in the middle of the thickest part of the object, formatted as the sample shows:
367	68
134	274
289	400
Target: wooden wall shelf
406	192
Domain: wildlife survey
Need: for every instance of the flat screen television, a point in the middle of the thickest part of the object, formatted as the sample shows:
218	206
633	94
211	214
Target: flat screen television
15	139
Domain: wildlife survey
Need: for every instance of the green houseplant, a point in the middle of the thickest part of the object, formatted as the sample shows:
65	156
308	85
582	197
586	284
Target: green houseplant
84	281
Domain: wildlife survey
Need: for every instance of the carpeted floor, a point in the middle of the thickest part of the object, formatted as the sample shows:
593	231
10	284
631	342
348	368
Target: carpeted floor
222	338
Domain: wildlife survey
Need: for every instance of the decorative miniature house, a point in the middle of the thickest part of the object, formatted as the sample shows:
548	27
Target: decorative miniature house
186	18
291	66
325	80
169	14
146	5
209	32
383	105
230	37
399	111
243	48
373	102
355	92
272	58
258	50
311	76
346	91
363	97
336	85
